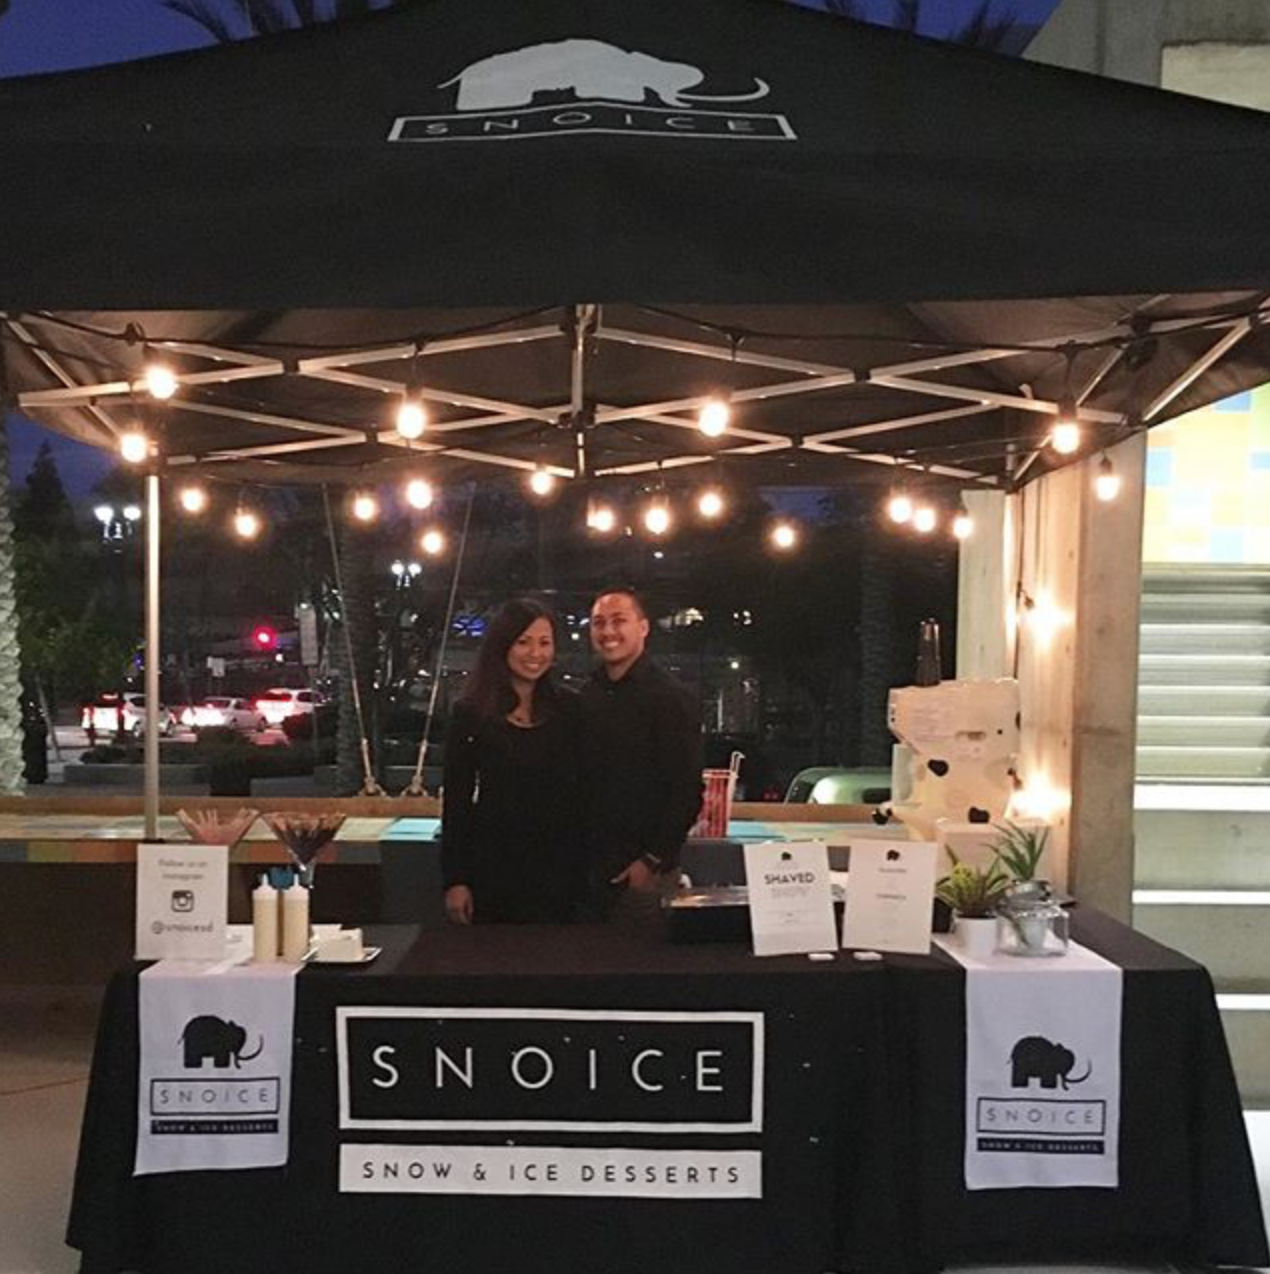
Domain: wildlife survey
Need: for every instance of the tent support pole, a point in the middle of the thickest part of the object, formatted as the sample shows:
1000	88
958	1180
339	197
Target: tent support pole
152	659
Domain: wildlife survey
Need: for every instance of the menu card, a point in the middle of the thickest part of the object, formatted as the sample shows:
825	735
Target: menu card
890	895
791	900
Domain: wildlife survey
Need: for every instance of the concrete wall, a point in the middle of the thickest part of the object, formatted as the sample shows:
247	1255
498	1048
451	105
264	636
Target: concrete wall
1062	570
1127	39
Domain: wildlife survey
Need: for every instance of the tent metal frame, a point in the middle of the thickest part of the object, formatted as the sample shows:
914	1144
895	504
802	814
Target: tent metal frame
584	327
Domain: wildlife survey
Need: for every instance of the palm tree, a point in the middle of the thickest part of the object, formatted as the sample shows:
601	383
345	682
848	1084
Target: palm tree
11	782
981	30
227	20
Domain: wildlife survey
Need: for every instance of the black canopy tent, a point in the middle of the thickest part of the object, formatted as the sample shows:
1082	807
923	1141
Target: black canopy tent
571	221
883	246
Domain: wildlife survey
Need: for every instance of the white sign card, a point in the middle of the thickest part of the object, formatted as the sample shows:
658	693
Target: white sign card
182	901
791	899
890	896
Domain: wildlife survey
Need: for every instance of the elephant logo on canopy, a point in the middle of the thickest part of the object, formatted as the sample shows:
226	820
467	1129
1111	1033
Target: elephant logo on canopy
1035	1057
210	1036
589	69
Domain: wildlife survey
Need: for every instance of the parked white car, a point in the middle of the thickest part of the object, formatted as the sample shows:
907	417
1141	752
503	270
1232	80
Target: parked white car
102	715
281	702
237	714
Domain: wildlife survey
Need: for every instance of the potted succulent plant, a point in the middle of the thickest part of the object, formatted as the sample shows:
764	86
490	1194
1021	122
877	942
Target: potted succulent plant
973	893
1019	849
1028	904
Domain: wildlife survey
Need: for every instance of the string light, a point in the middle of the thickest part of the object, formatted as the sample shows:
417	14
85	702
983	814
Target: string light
412	417
432	542
899	507
925	519
963	524
1065	437
412	412
657	518
1107	480
365	507
160	381
542	481
419	493
134	447
601	518
246	524
711	504
784	536
193	498
715	415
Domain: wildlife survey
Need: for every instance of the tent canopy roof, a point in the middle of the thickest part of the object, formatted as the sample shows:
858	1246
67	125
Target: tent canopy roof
591	215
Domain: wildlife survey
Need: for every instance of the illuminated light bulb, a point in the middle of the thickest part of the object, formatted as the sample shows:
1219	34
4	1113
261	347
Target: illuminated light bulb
104	514
963	525
1039	798
710	504
900	508
414	570
398	568
246	524
1043	619
432	542
160	381
714	416
412	418
1065	437
193	499
542	481
134	447
365	507
132	513
924	519
657	519
784	536
418	493
601	518
1107	481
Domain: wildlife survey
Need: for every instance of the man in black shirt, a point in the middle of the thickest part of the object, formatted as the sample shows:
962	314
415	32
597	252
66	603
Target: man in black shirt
641	763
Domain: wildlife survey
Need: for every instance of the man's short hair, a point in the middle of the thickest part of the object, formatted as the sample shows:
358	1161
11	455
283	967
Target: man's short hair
624	590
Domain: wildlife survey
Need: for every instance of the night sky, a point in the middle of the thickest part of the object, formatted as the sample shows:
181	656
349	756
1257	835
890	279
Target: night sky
55	35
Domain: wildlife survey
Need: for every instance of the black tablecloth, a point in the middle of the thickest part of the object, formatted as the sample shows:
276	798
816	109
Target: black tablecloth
862	1137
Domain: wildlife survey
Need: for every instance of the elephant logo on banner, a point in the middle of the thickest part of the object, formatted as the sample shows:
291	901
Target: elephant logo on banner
590	69
209	1036
1035	1057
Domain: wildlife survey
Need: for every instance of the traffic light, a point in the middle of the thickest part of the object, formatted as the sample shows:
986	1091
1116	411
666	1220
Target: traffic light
264	638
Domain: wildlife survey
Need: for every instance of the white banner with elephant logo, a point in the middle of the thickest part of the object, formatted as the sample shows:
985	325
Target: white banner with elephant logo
215	1067
1042	1071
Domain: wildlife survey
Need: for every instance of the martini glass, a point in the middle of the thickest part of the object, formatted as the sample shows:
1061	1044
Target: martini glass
304	836
209	827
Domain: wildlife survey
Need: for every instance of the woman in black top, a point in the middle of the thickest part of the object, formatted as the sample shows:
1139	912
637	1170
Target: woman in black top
510	829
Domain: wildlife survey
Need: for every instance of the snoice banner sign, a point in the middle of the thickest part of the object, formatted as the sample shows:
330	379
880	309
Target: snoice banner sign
687	1087
214	1081
1042	1071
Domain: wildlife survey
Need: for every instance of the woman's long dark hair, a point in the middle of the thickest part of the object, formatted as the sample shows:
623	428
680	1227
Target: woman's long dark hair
489	689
